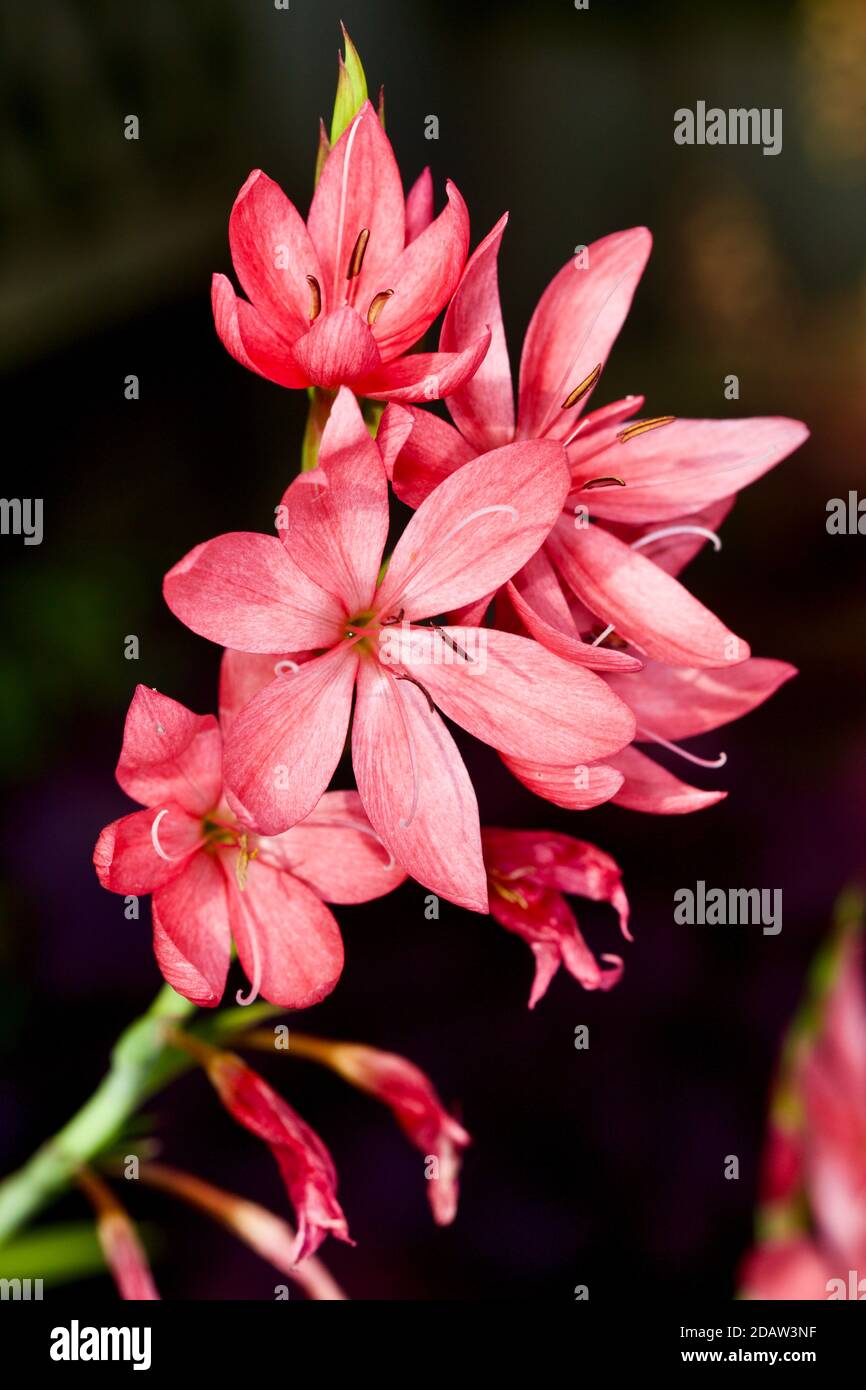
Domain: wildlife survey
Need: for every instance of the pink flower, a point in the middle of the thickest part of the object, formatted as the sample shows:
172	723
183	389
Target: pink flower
529	872
632	481
815	1166
305	1164
124	1253
340	300
412	1098
213	879
318	590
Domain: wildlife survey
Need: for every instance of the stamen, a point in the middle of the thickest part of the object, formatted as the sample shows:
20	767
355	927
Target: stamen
677	531
482	511
242	863
377	304
601	636
424	692
643	426
720	761
315	297
581	390
286	665
455	646
356	260
610	481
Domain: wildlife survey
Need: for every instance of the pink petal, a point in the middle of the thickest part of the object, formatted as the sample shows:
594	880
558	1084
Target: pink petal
650	787
419	205
787	1270
574	327
576	787
359	189
244	674
272	254
476	529
541	606
336	852
250	339
282	748
415	788
549	927
483	409
419	451
133	857
191	937
422	376
242	590
424	279
338	348
559	862
288	942
645	605
679	703
519	697
673	552
686	465
170	754
336	516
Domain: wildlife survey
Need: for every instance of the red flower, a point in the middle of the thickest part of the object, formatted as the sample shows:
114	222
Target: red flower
212	878
340	300
319	590
529	872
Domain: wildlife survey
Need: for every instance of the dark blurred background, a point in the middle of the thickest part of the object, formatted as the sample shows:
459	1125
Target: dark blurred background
604	1167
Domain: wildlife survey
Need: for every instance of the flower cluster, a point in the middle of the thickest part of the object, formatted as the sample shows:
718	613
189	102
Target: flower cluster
533	599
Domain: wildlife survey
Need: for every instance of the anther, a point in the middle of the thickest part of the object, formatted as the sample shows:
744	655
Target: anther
377	304
424	692
609	481
315	297
356	260
581	390
643	426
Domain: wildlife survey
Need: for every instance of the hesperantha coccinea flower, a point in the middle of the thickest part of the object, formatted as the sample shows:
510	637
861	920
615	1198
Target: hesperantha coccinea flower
317	588
645	496
529	873
340	299
214	880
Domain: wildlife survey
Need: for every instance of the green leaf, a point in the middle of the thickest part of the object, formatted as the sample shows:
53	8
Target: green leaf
351	89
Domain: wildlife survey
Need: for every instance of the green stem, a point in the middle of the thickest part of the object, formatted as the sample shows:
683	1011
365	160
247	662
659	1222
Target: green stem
142	1063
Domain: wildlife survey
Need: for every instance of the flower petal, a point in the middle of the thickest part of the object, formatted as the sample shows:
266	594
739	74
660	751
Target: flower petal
169	753
482	409
476	529
422	376
650	787
288	942
272	254
574	327
541	606
336	852
679	703
139	853
242	590
191	937
336	515
424	279
244	674
250	339
517	696
550	928
419	205
559	862
576	787
419	451
360	189
645	605
687	465
338	348
415	788
282	748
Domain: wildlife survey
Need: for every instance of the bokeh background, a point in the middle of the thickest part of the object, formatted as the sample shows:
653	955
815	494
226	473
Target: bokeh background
603	1167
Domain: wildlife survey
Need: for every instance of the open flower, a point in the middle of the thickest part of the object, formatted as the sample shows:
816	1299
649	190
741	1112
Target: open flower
411	1097
319	590
529	873
340	300
213	879
633	481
